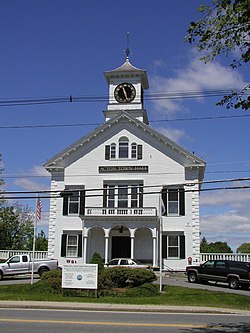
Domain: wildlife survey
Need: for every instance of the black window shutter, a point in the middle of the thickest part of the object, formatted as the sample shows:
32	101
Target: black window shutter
139	152
107	152
164	196
65	205
164	246
79	250
82	203
182	247
104	203
182	202
63	245
140	191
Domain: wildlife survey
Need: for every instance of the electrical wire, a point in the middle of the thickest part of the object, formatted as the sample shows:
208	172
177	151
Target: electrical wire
95	98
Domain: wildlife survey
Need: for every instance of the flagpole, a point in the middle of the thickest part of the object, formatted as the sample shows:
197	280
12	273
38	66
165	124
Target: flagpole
34	243
160	241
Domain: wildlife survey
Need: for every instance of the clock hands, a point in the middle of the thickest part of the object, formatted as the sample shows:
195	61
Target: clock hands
125	94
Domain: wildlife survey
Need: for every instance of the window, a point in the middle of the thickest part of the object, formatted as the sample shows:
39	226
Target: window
174	201
133	150
73	200
113	150
123	147
123	195
71	245
125	150
173	246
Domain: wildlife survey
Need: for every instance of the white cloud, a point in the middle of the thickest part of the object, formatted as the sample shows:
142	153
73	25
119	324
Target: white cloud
26	183
172	133
196	76
226	197
232	227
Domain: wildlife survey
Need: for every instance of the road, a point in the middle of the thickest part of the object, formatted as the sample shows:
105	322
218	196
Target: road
79	321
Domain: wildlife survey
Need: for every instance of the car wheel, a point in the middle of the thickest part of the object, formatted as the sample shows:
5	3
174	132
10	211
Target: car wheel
42	271
233	283
192	277
1	275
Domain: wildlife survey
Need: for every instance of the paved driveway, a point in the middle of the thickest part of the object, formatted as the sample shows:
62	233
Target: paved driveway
180	279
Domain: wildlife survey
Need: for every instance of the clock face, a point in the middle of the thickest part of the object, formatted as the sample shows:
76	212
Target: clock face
124	93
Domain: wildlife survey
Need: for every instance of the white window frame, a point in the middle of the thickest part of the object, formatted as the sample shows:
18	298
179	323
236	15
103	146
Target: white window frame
115	195
72	246
74	200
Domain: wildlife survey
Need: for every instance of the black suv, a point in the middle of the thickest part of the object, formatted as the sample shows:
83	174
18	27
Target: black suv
235	273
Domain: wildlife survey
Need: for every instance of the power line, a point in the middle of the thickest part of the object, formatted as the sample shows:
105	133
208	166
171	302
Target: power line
104	98
97	124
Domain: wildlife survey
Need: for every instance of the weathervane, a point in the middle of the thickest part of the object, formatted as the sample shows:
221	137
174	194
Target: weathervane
127	49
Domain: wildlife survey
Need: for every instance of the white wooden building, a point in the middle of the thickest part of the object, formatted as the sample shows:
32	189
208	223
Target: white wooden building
123	185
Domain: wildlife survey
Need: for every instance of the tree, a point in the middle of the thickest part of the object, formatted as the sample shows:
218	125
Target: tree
224	29
243	248
41	242
16	227
216	247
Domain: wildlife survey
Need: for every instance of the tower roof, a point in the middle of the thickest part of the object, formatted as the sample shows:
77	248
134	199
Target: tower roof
127	70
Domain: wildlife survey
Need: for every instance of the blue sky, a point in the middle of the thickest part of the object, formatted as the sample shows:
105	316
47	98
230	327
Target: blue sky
58	48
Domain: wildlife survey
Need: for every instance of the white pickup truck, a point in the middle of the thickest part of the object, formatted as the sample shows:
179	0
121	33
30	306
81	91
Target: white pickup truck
22	264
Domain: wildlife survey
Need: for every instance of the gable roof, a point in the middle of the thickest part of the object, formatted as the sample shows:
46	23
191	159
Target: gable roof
188	159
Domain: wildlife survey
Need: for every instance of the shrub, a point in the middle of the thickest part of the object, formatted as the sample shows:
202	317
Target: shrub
97	259
146	290
121	277
53	279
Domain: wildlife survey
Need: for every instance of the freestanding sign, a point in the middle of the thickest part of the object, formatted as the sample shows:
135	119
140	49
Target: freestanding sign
80	276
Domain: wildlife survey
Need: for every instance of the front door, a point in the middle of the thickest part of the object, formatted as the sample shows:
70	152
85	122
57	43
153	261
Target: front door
120	247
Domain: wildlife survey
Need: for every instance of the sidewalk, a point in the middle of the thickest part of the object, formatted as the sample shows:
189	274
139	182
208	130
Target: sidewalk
117	307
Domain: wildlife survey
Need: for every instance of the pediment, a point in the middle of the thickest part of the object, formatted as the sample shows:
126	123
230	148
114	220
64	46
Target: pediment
106	130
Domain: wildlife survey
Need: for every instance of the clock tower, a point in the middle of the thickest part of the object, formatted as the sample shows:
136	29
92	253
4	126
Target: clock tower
126	86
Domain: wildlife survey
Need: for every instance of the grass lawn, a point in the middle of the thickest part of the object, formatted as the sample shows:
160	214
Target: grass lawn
172	295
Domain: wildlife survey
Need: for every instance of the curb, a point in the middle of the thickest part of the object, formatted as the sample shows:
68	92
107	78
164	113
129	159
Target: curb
117	307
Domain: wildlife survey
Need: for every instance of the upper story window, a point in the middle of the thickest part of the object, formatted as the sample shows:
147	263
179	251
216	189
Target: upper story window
74	203
123	149
123	195
174	201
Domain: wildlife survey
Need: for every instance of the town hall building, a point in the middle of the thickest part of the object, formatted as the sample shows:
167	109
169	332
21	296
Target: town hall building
124	190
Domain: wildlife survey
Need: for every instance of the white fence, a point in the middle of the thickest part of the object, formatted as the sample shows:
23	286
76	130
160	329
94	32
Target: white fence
225	256
5	254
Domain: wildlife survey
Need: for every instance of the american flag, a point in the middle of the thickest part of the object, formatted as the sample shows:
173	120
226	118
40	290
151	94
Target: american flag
38	208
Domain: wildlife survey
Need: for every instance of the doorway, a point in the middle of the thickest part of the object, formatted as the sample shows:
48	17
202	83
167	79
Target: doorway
121	247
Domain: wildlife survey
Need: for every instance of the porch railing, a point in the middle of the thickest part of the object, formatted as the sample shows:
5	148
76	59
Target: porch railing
94	211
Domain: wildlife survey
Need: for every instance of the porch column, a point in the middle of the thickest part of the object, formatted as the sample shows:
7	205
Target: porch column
132	246
154	251
106	249
85	239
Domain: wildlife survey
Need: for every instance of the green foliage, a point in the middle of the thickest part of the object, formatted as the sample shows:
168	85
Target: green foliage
224	29
146	290
41	242
97	259
16	227
121	277
216	247
243	248
50	283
